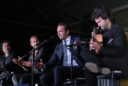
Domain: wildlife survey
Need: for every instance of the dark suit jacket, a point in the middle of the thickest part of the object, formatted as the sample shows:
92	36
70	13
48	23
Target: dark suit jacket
57	57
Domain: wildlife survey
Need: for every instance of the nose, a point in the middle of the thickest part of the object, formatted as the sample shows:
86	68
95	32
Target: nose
6	47
35	43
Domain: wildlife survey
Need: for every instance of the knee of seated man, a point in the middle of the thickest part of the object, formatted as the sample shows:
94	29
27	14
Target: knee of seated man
43	77
57	69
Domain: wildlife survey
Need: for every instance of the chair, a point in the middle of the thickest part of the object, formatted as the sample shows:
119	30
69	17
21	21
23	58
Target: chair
80	81
112	79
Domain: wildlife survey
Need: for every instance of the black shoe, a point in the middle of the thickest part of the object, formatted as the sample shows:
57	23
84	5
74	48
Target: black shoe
95	69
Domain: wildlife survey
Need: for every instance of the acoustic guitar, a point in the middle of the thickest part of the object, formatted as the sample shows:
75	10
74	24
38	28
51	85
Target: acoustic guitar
96	37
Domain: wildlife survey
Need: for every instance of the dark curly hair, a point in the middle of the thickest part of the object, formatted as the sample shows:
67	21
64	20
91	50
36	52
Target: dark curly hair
104	13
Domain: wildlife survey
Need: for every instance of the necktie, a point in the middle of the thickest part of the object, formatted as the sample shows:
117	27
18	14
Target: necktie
64	53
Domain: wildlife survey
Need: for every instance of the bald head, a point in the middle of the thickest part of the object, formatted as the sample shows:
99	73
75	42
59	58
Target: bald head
34	41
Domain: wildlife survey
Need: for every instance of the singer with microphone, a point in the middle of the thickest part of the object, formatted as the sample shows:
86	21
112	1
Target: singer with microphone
61	59
38	57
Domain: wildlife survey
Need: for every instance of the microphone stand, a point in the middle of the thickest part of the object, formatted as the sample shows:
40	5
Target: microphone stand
32	72
71	70
33	58
32	61
71	67
33	52
72	57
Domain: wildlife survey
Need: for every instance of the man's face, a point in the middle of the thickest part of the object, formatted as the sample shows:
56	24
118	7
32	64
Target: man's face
6	47
101	23
62	32
34	42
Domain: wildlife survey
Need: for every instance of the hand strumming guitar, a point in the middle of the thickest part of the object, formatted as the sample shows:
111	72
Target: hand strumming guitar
38	65
96	40
94	46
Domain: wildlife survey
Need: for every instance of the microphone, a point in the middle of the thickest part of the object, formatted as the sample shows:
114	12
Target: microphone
39	46
46	41
79	43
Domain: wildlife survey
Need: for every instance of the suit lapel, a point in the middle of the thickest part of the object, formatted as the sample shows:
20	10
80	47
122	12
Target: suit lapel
71	41
60	51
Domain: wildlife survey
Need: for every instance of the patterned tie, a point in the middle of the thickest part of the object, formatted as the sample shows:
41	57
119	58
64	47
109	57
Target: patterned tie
64	53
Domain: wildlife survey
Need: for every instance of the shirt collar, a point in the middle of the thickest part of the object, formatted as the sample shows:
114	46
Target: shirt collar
67	40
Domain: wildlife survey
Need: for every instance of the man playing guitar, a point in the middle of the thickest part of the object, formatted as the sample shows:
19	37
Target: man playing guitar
37	57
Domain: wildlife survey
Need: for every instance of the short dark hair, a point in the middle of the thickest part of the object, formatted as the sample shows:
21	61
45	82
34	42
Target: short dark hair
34	36
1	44
102	12
66	25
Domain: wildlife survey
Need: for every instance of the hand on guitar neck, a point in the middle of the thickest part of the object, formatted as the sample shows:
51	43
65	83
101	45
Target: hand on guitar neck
19	62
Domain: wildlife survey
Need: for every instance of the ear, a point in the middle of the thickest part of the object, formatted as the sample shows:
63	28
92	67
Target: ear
68	31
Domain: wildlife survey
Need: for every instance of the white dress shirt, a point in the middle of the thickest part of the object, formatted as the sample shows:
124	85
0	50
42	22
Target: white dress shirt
68	40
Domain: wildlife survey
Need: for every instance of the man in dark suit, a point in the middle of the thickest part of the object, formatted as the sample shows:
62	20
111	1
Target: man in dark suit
61	59
114	43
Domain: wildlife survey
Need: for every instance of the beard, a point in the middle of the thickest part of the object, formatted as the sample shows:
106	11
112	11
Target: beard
104	27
